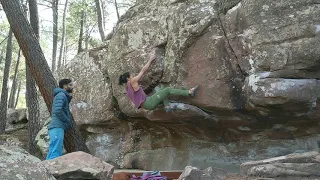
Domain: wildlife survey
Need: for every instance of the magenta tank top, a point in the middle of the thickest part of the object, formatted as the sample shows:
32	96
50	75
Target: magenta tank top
137	97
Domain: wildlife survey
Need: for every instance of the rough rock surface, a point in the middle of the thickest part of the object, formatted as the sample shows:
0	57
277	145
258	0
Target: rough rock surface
16	163
17	116
79	165
211	173
148	145
16	119
190	173
257	64
295	165
92	98
43	140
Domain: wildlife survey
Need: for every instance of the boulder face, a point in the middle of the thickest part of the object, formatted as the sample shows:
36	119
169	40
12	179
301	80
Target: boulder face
257	64
92	98
16	163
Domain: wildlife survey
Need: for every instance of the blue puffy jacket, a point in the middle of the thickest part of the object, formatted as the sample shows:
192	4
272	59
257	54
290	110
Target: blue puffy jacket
60	110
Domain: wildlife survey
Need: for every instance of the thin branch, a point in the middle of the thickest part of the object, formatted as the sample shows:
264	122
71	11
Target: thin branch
50	2
46	5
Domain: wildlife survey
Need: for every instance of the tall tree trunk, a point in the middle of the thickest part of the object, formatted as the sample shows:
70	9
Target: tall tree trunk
55	33
31	94
39	67
18	93
63	38
102	4
1	53
33	111
4	93
34	17
12	94
100	19
83	14
86	39
117	9
65	55
86	32
14	83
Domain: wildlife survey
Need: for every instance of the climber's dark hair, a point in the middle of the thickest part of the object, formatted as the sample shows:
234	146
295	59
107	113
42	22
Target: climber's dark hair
123	78
63	82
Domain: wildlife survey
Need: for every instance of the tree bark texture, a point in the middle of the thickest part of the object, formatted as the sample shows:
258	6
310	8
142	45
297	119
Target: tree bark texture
55	33
32	96
14	83
100	19
4	92
83	14
63	38
18	93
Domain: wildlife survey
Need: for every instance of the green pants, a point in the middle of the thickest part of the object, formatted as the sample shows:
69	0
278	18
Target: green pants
161	96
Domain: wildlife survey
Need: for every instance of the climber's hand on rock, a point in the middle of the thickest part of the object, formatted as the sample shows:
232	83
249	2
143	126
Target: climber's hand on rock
152	56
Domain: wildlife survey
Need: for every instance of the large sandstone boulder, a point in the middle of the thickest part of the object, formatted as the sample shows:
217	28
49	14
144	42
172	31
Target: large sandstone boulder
16	163
257	63
281	67
249	61
151	145
92	98
79	165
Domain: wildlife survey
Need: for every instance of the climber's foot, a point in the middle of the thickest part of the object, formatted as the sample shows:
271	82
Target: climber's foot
170	108
193	90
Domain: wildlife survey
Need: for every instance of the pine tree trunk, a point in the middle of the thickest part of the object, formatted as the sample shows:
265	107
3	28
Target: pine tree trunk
102	4
117	9
65	55
4	92
100	19
12	94
18	93
39	67
14	83
55	33
86	38
31	94
34	17
63	33
1	54
83	14
33	111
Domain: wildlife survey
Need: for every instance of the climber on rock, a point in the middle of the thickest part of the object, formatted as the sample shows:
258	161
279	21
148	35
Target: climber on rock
141	100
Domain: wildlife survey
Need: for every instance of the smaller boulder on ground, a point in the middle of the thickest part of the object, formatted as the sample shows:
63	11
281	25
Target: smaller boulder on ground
290	166
17	163
17	116
211	173
79	165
